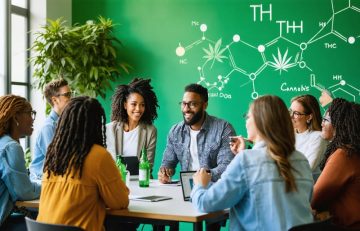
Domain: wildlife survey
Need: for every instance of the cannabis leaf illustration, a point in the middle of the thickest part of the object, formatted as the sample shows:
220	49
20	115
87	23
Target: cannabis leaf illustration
281	62
214	53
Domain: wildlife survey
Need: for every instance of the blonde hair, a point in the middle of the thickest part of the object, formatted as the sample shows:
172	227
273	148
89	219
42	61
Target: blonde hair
9	106
275	127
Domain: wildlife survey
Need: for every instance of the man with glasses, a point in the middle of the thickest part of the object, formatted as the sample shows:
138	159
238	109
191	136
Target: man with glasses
199	141
57	94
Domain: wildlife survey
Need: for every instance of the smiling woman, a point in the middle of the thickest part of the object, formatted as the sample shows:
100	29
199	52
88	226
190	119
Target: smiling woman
306	119
134	109
337	189
16	121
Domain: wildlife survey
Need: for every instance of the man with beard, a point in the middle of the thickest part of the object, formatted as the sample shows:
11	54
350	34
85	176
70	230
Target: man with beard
200	141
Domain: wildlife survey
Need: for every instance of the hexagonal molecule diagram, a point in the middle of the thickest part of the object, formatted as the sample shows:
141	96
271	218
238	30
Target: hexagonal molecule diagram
219	62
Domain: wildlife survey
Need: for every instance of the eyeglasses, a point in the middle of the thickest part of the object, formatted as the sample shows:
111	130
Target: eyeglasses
68	94
326	120
32	113
191	104
296	114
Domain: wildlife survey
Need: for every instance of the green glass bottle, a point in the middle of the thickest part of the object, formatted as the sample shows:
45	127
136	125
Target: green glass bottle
122	167
144	170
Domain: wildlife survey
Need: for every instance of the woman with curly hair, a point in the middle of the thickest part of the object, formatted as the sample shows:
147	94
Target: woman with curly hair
338	187
131	129
16	121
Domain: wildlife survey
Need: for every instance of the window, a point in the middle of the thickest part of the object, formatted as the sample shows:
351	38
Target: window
18	75
14	44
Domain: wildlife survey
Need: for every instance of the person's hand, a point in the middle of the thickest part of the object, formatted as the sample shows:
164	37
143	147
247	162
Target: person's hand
165	174
321	216
202	177
237	144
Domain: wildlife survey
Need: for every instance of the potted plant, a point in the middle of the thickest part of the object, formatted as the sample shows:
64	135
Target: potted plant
85	55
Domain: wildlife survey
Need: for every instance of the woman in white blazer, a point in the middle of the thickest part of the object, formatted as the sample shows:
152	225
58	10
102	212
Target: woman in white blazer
134	109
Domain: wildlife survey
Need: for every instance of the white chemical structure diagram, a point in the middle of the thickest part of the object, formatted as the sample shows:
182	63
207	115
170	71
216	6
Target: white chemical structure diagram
271	54
339	89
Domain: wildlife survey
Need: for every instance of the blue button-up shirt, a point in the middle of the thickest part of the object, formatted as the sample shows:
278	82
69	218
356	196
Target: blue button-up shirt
212	145
14	183
255	192
43	140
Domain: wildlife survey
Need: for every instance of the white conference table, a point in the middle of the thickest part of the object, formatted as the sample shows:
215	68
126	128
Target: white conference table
166	211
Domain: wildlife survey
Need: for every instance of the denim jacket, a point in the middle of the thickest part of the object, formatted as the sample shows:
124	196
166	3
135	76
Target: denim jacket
43	140
255	192
14	183
212	144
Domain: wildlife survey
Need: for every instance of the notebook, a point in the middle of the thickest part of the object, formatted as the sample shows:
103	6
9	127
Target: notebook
187	183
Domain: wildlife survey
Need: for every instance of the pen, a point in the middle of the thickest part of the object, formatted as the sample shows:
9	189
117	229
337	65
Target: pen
240	136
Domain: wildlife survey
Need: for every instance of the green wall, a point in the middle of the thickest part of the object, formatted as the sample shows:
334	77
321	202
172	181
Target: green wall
322	50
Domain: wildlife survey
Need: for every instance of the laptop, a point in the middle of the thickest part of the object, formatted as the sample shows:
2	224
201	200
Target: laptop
187	183
132	165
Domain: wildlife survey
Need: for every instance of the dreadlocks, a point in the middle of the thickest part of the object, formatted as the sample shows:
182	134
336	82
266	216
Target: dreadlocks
344	117
80	126
9	106
142	87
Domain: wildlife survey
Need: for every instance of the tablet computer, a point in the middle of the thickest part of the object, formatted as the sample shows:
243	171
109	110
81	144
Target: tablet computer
187	183
152	198
132	165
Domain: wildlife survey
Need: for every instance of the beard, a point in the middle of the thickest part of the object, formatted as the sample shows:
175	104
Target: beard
196	118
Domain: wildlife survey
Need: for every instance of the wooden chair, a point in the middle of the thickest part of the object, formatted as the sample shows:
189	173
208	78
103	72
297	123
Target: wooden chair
33	225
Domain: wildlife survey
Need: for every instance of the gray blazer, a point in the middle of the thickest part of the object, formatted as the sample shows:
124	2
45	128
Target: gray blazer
147	139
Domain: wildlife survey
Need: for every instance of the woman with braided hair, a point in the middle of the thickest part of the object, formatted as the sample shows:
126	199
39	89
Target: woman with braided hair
16	121
338	187
267	187
80	178
134	108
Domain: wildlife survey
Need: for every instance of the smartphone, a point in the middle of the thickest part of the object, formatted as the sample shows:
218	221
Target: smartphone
174	182
234	138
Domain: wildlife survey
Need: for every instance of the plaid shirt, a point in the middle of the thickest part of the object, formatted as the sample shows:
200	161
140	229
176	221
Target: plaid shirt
212	144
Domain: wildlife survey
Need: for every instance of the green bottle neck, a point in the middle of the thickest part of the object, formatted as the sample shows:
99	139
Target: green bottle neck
144	156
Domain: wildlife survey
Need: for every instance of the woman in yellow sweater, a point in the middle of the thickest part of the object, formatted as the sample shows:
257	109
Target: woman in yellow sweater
80	178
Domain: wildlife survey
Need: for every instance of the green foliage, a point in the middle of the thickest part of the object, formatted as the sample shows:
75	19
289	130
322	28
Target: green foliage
84	55
27	156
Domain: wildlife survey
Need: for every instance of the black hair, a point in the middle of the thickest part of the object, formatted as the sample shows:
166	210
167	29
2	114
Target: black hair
344	116
80	126
197	88
122	92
